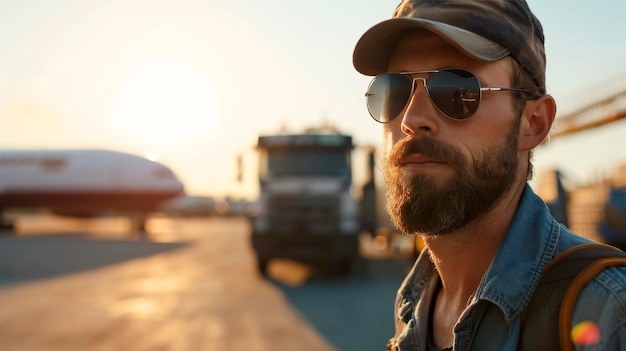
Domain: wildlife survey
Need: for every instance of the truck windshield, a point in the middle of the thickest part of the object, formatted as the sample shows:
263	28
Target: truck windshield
278	163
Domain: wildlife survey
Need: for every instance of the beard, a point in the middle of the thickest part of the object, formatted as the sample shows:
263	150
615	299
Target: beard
421	203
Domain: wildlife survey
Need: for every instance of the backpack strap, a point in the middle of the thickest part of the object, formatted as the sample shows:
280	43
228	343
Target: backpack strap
547	320
574	289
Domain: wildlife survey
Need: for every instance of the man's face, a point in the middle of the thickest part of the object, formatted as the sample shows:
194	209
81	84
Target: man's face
441	173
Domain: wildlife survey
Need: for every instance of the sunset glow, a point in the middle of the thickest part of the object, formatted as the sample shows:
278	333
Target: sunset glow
193	83
164	100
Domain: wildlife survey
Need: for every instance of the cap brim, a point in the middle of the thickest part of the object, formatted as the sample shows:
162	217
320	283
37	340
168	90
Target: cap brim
373	50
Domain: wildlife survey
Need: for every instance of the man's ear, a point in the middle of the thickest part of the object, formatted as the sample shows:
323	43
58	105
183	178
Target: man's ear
536	122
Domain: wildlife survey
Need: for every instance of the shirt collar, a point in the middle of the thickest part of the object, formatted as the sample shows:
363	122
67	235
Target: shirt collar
529	244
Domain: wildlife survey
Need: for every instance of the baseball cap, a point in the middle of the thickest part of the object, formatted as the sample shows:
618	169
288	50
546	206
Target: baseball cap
486	30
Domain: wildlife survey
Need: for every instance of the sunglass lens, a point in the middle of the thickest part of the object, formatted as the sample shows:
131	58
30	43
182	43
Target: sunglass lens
456	93
387	96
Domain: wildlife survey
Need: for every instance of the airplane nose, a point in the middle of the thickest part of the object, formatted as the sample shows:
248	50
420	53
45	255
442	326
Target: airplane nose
181	186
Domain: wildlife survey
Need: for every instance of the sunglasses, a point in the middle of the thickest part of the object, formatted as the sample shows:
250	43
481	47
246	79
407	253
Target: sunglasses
454	92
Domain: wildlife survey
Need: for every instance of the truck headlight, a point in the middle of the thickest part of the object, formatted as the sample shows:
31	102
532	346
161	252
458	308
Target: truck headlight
261	225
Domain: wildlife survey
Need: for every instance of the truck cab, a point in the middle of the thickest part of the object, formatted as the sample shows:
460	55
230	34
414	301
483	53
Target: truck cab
306	209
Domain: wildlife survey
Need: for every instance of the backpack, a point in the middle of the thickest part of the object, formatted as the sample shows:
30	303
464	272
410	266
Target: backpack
550	310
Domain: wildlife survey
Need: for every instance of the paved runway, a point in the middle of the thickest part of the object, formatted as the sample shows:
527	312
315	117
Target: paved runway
192	286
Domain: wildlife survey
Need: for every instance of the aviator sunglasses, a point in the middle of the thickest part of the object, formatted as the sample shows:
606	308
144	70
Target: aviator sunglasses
454	92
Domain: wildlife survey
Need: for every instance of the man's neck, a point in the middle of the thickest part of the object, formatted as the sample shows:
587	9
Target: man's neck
462	258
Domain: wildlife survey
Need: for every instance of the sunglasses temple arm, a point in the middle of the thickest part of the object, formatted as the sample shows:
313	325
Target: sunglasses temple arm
505	89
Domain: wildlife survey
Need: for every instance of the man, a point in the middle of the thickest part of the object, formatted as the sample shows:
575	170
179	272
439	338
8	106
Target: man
460	89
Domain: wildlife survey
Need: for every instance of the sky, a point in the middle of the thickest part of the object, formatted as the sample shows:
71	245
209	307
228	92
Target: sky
192	83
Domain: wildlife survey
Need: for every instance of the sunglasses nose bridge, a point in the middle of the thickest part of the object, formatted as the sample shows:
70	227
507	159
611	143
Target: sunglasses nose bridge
415	81
415	88
419	109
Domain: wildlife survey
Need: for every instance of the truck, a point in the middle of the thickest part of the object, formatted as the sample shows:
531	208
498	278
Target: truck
308	209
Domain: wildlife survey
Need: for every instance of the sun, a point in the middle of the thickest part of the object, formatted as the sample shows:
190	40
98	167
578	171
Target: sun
164	100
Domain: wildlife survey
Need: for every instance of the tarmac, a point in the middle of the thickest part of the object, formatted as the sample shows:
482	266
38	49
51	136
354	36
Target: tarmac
192	285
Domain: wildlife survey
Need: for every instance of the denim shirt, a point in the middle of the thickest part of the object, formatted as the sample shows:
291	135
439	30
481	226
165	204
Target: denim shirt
532	240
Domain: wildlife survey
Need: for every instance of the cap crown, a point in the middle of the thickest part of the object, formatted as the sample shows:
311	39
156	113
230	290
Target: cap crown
509	23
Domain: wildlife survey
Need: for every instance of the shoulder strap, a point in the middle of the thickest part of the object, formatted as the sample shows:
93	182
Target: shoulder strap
546	321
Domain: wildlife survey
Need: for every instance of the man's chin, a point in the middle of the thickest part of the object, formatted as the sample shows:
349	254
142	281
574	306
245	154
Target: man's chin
438	181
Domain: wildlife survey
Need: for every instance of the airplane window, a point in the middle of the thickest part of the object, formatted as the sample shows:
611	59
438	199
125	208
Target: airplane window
163	173
52	164
16	161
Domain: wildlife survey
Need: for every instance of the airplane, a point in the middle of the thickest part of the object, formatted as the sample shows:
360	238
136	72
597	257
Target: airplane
84	183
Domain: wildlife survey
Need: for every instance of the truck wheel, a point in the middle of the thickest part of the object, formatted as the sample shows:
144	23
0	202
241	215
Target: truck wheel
344	267
7	227
262	263
360	267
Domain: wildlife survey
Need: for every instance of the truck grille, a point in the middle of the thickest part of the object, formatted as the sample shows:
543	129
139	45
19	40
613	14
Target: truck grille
304	214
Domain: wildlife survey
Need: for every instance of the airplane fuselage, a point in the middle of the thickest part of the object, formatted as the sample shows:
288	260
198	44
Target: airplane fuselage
84	182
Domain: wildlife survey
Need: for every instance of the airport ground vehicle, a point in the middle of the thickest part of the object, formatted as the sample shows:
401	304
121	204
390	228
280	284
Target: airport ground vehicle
307	209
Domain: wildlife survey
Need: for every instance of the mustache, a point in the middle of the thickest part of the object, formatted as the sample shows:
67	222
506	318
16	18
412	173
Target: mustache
425	146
